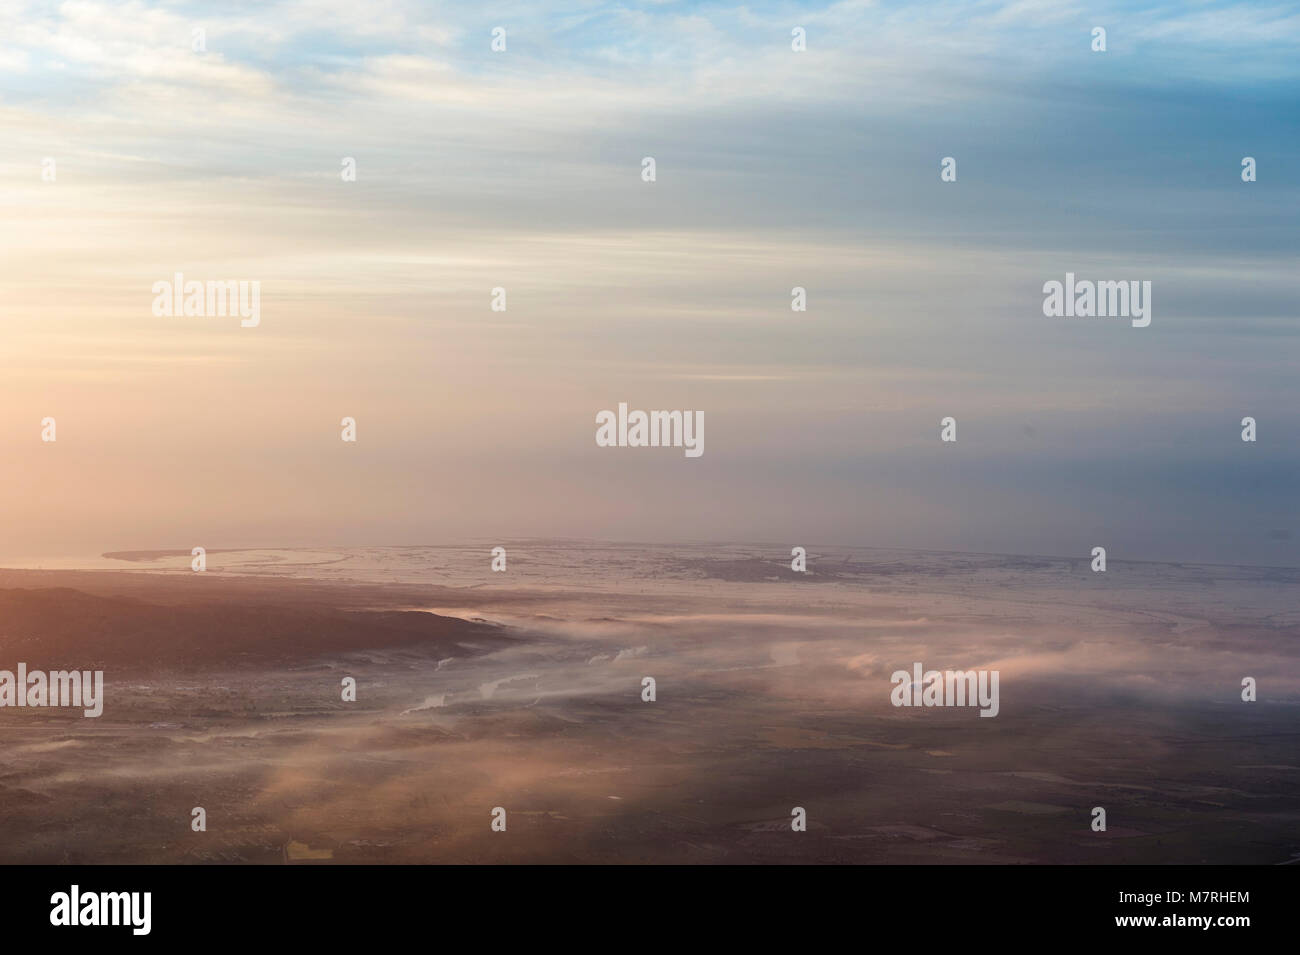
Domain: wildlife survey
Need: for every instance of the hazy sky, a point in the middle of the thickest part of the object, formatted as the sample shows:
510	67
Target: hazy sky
775	168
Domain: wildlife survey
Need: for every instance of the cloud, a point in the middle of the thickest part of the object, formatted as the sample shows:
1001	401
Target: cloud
776	169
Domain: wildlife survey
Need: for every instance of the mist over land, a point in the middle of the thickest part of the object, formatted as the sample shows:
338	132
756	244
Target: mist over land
522	689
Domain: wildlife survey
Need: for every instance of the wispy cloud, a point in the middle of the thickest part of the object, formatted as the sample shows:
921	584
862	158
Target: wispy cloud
521	169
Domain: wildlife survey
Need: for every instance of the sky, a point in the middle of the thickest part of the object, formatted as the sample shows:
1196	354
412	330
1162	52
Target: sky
522	169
